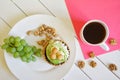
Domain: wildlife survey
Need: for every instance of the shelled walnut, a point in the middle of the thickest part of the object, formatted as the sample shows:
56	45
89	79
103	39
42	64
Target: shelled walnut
81	64
113	42
93	64
112	67
91	54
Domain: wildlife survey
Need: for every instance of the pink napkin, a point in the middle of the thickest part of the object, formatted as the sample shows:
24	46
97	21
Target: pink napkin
106	10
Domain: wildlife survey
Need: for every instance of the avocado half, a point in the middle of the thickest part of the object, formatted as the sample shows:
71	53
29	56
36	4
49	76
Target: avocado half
58	56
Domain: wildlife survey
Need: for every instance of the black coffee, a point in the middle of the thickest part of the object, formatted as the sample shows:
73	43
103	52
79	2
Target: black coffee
94	33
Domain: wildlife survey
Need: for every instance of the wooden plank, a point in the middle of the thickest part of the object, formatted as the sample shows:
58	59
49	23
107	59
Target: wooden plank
100	72
76	74
9	12
5	74
112	58
59	10
4	29
31	7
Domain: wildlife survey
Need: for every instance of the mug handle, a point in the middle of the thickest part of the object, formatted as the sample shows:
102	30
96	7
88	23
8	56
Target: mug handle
104	46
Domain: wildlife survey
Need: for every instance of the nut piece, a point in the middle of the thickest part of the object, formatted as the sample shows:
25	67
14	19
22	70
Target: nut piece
112	67
81	64
54	50
93	64
29	32
52	55
36	33
60	57
91	55
113	42
41	42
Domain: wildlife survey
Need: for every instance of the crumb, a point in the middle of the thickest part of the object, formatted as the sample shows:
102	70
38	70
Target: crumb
112	67
91	55
113	42
81	64
93	64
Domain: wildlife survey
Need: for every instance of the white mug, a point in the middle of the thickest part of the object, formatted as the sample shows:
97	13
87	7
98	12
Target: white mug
95	33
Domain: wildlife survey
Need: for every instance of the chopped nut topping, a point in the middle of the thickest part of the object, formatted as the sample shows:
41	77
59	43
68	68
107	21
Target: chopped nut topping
53	56
112	67
91	55
81	64
93	64
60	57
113	42
54	50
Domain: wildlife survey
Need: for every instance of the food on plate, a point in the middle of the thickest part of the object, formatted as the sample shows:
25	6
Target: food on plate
81	64
43	29
20	49
54	49
57	52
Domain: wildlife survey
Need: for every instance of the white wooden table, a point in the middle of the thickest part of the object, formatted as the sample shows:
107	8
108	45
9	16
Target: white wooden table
12	11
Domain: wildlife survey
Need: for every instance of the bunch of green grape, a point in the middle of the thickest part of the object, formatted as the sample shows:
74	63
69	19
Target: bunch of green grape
19	48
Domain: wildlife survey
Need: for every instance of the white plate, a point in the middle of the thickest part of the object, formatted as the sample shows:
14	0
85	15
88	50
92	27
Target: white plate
40	70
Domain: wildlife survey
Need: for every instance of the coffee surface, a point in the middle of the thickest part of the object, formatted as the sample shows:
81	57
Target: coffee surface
94	33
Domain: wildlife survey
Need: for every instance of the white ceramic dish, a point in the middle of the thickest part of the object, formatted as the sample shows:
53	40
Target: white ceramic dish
40	70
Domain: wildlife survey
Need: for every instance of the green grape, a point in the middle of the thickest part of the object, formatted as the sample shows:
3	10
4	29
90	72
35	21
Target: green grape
38	53
6	40
19	48
27	55
31	52
16	55
11	44
23	42
11	39
17	44
34	59
17	39
27	49
28	60
21	53
23	58
4	46
12	50
34	49
8	49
